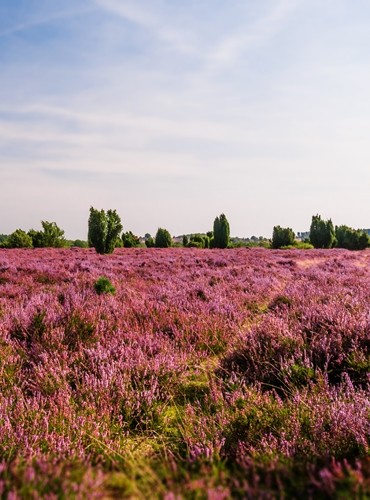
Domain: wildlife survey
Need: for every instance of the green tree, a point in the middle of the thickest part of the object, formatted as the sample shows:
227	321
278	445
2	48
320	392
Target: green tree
37	238
199	241
129	240
352	239
50	236
103	230
19	239
221	232
79	243
282	237
149	241
114	228
322	233
185	241
163	238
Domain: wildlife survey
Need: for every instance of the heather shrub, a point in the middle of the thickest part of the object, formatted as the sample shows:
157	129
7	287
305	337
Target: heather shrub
220	374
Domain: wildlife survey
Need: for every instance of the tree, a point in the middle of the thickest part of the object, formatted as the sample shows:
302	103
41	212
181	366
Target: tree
114	228
19	239
129	240
282	237
149	241
79	243
50	236
350	238
198	241
163	238
221	232
103	230
322	234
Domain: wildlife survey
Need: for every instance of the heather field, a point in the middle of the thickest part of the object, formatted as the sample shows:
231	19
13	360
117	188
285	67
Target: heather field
212	374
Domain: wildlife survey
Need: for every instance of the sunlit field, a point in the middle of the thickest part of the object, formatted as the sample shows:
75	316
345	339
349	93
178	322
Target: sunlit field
213	374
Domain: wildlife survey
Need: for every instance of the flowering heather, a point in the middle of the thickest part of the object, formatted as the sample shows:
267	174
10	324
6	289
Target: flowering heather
201	374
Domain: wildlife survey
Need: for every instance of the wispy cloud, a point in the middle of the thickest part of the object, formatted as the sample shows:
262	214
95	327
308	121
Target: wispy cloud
34	22
185	106
248	36
149	16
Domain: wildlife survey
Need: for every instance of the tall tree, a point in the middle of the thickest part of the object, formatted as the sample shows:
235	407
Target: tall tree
221	232
322	233
103	230
163	238
114	228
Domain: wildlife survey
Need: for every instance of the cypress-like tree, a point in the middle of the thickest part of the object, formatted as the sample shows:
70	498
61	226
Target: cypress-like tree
221	232
163	238
322	234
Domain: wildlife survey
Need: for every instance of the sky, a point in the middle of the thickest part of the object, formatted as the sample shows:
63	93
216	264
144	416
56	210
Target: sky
173	112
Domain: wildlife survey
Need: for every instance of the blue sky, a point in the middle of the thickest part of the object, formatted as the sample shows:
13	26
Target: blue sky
173	112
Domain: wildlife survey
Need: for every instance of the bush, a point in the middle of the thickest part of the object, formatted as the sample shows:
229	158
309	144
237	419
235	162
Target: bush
282	237
104	229
163	238
351	239
129	240
50	236
19	239
103	285
322	234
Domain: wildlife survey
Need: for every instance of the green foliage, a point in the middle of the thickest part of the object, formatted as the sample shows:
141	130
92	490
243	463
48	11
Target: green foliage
103	285
114	228
221	231
36	237
78	243
149	241
3	240
103	230
282	236
163	238
19	239
197	241
53	236
351	239
129	240
185	241
322	234
50	236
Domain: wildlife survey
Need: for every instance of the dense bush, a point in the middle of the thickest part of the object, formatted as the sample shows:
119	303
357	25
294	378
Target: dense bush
50	236
163	238
282	236
322	234
19	239
104	229
103	285
129	240
351	239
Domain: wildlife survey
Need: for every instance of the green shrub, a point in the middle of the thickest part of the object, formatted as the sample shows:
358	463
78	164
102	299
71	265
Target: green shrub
103	285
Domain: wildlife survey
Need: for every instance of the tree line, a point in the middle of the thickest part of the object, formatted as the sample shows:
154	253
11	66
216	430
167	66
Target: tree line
323	234
105	234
